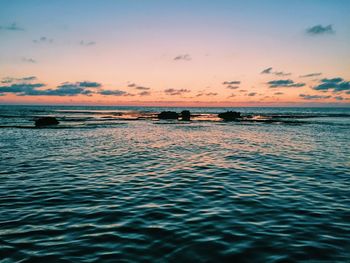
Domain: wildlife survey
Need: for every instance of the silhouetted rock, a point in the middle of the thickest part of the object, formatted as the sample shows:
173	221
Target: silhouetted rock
46	121
186	115
168	115
230	115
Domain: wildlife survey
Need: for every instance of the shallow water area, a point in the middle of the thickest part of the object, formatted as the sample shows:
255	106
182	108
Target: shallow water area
112	190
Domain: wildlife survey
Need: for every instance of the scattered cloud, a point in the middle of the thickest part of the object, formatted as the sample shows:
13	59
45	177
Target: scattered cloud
231	96
173	92
112	92
320	30
284	83
21	88
334	84
29	60
138	87
145	93
277	73
185	57
45	40
209	94
267	71
313	97
281	73
232	87
8	80
234	82
89	84
251	94
278	93
35	89
87	43
12	27
310	75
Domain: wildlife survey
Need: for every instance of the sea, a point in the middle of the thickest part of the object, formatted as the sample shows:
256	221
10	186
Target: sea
116	184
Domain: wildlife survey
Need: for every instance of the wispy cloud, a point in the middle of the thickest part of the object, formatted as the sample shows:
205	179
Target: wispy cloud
138	87
233	82
311	75
87	43
144	93
185	57
112	92
208	94
277	73
278	93
251	94
320	30
334	84
44	40
173	92
12	27
284	83
29	60
313	97
8	80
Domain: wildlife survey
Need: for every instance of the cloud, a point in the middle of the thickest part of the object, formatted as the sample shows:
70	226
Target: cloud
251	94
113	92
138	87
209	94
313	97
234	82
277	73
29	60
8	80
173	92
310	75
87	43
281	73
142	88
43	40
231	96
34	89
320	30
145	93
89	84
21	88
267	71
284	83
12	27
278	93
185	57
334	84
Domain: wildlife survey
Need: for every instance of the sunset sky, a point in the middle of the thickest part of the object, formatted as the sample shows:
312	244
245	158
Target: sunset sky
180	52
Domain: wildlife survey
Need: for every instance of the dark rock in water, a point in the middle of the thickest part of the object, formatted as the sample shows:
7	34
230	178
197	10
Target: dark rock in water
186	115
168	115
45	121
230	115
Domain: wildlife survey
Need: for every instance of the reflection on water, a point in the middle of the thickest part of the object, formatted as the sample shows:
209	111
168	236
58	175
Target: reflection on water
184	192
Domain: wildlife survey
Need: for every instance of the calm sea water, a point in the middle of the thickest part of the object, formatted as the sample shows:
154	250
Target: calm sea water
114	184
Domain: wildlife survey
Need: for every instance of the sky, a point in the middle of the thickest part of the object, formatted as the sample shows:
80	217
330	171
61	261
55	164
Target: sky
175	52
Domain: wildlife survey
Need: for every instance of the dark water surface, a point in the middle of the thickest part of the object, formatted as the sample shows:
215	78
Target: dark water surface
102	188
